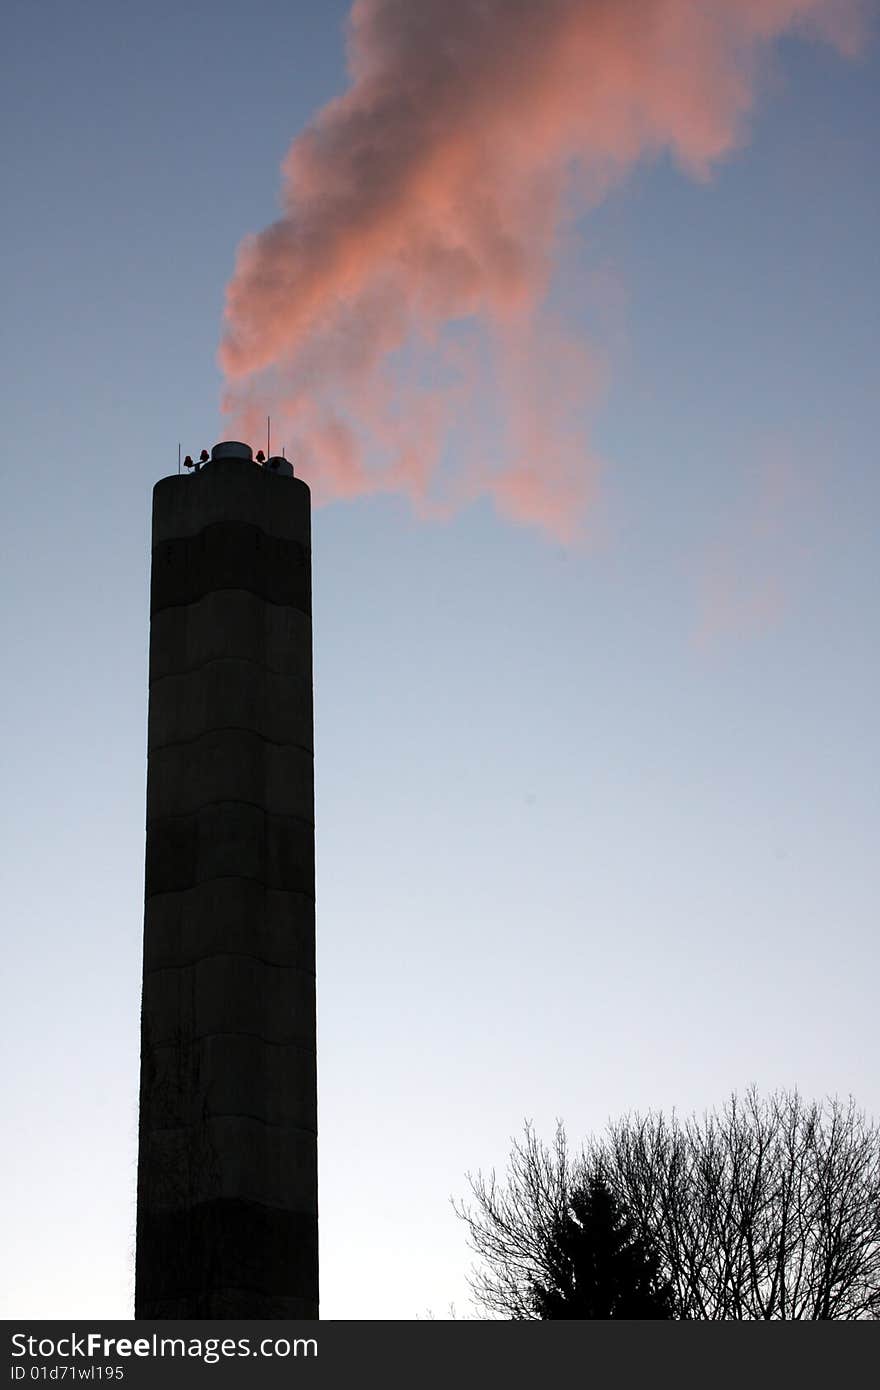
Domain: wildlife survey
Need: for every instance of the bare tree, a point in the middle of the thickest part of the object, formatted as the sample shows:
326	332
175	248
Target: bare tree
511	1224
764	1209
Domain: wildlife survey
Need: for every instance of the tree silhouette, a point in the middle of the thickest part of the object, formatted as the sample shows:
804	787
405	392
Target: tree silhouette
597	1265
768	1208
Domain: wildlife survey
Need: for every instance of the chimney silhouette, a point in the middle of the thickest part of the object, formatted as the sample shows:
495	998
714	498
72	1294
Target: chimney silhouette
227	1216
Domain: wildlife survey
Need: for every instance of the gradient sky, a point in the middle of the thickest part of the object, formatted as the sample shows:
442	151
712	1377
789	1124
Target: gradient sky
596	823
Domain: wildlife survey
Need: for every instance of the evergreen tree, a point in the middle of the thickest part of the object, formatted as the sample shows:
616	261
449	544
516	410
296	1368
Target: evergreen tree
596	1264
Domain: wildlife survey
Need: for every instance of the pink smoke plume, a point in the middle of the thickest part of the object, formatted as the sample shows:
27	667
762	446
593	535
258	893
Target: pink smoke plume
405	284
770	541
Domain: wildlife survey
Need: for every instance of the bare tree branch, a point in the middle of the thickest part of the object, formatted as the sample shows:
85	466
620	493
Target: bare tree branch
766	1209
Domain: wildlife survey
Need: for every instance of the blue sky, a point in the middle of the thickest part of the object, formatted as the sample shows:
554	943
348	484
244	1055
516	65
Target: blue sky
596	825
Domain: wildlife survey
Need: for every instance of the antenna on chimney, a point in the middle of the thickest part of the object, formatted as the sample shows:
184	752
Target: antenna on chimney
268	436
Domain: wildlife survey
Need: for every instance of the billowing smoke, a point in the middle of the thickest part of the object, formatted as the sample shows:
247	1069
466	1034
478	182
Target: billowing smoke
396	320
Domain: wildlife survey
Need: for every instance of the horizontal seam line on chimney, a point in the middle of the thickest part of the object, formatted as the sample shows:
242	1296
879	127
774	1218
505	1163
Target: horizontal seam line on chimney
229	801
230	729
239	1033
228	955
200	1293
234	589
224	1290
224	878
229	521
229	589
214	661
231	1115
288	892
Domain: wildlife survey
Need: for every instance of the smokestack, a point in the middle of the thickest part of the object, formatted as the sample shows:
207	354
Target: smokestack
227	1222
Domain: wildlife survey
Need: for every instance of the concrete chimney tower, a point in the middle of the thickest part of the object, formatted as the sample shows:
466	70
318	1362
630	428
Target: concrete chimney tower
227	1212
